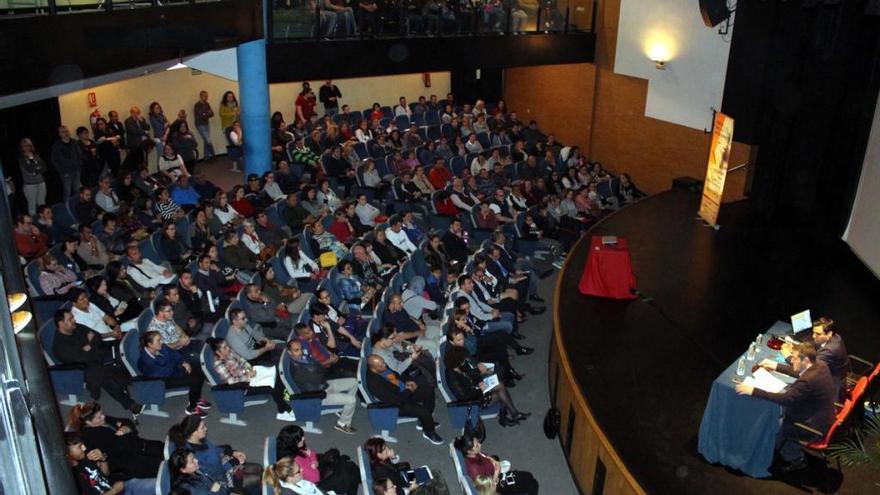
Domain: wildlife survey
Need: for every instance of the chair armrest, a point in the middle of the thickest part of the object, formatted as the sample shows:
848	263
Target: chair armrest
142	378
809	429
67	367
863	361
230	386
457	403
383	405
318	394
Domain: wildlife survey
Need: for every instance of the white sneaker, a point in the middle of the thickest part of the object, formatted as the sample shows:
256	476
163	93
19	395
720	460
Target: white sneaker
286	416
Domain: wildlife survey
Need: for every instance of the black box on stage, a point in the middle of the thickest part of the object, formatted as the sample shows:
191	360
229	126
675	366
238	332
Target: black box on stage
687	184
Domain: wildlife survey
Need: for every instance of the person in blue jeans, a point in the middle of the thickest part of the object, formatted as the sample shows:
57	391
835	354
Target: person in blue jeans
203	114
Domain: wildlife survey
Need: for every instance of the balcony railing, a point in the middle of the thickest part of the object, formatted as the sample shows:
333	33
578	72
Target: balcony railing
327	20
60	7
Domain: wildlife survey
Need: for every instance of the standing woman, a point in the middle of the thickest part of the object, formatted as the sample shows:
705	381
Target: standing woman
32	169
159	123
229	110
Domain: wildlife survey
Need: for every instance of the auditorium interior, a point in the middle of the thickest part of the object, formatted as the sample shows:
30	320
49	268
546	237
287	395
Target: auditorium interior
250	237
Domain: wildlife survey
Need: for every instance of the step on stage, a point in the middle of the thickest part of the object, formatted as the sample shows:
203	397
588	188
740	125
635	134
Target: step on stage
645	367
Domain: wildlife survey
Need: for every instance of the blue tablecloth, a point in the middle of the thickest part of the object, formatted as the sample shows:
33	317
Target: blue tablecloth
737	430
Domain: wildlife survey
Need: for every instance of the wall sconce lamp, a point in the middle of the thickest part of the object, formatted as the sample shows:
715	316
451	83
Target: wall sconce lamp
20	318
659	54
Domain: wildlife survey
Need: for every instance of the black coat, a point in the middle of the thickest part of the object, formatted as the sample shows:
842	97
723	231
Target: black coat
129	454
809	400
833	353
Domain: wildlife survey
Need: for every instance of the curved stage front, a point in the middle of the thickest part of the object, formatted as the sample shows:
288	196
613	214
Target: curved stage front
631	378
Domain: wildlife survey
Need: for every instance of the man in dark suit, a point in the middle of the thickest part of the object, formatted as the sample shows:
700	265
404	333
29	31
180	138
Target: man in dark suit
453	241
516	265
809	401
412	400
832	351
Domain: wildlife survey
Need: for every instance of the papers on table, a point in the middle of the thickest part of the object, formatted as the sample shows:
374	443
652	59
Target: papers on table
762	379
491	382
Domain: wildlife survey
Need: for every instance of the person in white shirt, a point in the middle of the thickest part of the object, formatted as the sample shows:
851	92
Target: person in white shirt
366	212
479	164
224	211
363	132
271	188
473	144
106	198
285	476
250	239
297	263
398	237
146	273
402	108
87	314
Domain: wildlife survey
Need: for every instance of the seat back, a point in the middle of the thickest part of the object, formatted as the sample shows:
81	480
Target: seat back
130	351
221	329
858	390
839	420
144	319
270	451
457	165
464	479
402	122
364	466
281	274
379	311
163	478
32	270
47	340
206	357
603	188
441	372
366	350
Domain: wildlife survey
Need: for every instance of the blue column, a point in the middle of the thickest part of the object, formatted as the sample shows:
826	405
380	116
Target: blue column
253	91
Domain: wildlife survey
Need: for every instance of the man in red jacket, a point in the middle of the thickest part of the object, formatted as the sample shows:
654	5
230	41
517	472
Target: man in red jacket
439	176
30	242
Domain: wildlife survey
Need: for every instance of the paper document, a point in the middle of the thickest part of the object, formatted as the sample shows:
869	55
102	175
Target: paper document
491	382
762	379
489	366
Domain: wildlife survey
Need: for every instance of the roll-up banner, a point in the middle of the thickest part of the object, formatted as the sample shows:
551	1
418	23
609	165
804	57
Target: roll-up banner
716	169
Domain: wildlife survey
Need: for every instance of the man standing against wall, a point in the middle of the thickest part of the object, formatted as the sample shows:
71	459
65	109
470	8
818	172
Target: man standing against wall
203	113
329	95
67	160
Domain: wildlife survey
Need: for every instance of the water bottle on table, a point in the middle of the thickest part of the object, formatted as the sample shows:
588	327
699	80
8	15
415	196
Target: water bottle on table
741	366
751	354
759	340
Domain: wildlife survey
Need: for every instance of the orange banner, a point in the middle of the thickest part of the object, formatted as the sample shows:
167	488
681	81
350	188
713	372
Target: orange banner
716	169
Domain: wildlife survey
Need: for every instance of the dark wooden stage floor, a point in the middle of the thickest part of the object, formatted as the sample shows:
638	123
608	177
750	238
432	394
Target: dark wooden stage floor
646	368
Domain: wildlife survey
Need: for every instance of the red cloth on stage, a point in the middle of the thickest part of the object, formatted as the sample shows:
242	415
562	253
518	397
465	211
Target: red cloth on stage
608	272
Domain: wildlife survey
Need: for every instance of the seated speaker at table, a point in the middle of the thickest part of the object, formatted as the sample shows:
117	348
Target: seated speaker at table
831	350
809	400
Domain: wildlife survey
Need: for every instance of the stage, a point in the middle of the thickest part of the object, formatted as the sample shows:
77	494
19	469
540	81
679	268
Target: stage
645	367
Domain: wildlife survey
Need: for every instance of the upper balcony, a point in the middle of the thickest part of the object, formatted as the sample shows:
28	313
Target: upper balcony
59	43
312	39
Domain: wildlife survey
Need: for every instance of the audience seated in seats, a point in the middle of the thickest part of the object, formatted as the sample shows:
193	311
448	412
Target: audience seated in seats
328	471
241	204
225	212
346	320
294	215
465	378
174	335
477	462
326	241
494	319
128	455
388	253
84	209
366	212
250	342
54	231
232	369
91	470
395	234
454	242
301	267
411	329
90	315
54	278
184	194
145	272
174	251
341	227
271	316
352	288
157	360
29	241
166	208
106	198
309	376
121	310
76	344
387	468
408	360
199	463
369	267
321	342
171	165
213	283
411	399
253	240
111	235
237	255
